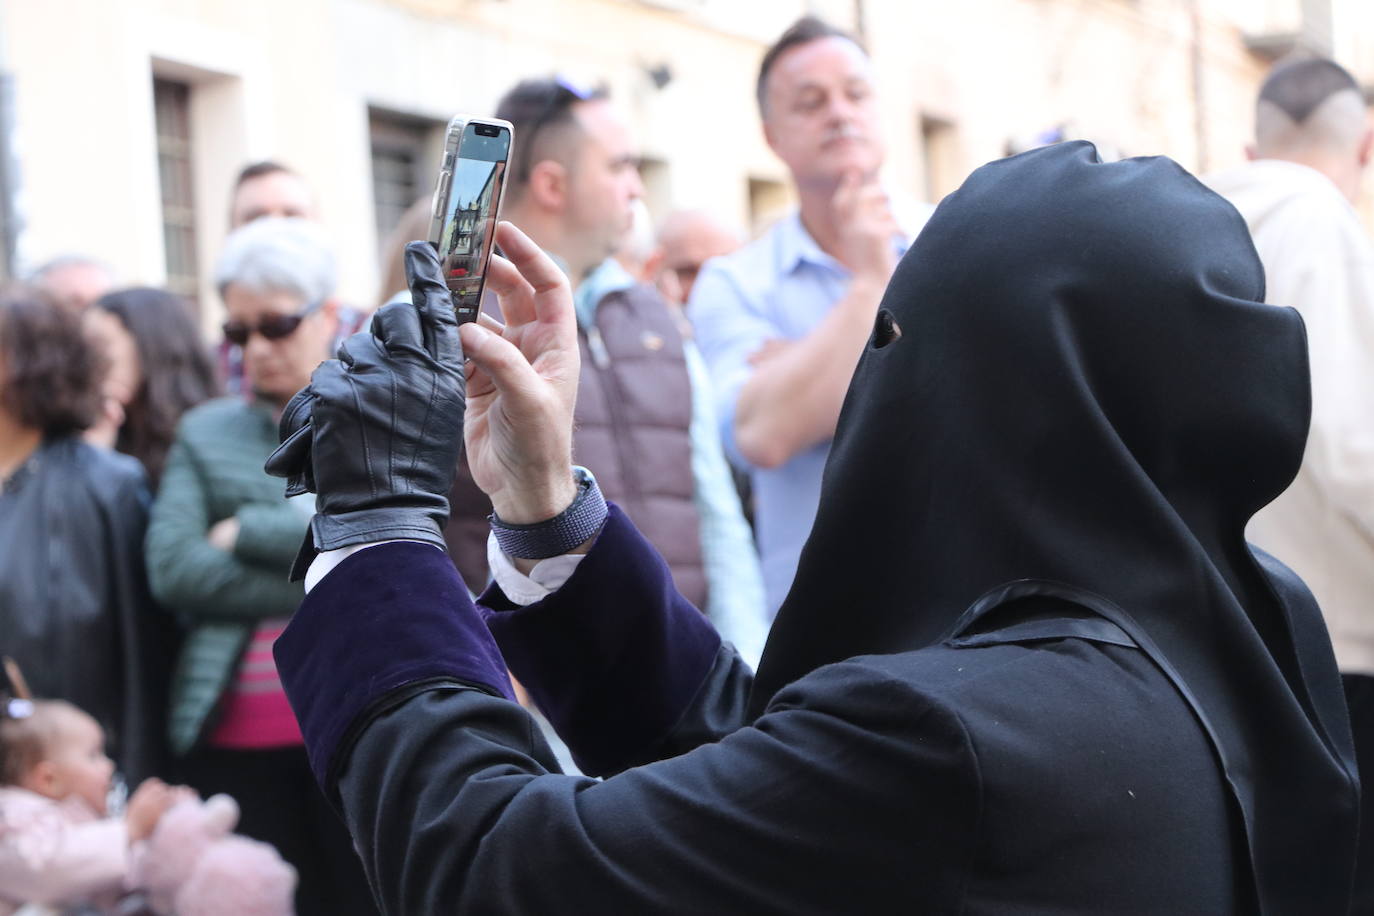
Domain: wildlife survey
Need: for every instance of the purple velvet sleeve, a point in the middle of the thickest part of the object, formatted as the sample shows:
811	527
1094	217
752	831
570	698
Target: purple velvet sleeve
388	616
615	656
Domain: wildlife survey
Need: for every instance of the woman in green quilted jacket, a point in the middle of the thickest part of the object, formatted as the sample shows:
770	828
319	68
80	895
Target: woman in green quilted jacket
220	545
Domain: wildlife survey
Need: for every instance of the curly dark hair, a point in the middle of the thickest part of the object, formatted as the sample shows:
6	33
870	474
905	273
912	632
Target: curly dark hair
50	375
177	371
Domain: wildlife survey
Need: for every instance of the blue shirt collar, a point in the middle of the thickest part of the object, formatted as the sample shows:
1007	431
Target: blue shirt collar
796	246
606	278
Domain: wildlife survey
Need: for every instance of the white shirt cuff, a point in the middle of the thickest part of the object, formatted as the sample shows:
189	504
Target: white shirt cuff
546	576
326	560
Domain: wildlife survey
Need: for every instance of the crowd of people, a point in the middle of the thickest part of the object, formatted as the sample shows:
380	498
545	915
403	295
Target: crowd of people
1040	415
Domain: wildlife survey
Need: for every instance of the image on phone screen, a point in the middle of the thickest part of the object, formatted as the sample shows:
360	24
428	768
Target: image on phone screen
470	214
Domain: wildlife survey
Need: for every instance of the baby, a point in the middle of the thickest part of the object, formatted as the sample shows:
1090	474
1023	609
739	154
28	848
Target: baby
57	846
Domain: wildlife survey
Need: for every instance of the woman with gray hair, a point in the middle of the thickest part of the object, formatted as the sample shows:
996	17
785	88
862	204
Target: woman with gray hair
220	545
274	254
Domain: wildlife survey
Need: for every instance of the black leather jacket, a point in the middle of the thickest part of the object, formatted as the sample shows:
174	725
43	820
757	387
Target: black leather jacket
75	612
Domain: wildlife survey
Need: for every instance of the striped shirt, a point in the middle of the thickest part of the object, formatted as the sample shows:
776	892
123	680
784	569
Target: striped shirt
255	713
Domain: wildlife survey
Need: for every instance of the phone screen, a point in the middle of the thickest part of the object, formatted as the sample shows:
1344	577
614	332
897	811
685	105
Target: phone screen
470	214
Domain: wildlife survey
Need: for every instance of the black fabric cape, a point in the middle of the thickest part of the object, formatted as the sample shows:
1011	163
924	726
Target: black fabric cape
1074	389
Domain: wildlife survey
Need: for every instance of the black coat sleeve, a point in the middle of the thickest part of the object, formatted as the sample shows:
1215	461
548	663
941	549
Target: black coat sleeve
619	636
853	793
717	709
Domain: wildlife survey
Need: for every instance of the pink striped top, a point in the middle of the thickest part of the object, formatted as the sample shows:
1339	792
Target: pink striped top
256	714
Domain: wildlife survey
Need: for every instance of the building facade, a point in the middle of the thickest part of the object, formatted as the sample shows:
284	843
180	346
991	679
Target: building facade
122	125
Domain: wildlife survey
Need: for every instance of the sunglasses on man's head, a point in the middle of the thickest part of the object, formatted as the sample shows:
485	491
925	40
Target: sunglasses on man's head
562	92
272	327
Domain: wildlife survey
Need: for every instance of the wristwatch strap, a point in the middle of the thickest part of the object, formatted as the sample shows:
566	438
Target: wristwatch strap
560	534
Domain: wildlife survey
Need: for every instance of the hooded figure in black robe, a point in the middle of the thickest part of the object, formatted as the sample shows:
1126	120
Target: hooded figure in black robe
1029	663
1090	405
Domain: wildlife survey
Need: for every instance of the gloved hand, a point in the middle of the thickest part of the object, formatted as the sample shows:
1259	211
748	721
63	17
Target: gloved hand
377	432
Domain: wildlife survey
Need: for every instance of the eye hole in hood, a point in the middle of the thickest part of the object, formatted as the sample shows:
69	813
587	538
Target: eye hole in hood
1095	395
885	329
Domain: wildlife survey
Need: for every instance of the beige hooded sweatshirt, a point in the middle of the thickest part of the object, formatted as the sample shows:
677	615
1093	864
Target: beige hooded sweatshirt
1319	259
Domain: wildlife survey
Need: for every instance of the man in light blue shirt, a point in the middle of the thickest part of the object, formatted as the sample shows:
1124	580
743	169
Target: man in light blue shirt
781	323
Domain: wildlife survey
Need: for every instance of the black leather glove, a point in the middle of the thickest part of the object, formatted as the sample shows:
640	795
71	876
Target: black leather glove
376	434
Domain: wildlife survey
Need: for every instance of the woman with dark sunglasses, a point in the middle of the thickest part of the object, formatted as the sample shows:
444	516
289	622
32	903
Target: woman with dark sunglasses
220	544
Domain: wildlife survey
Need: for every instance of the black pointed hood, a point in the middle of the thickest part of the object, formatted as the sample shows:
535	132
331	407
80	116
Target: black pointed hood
1073	383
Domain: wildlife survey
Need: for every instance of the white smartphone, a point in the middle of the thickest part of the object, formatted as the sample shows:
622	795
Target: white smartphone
467	202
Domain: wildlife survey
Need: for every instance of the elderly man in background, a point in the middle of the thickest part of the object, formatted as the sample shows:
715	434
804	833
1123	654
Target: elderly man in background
1312	143
220	547
687	239
782	321
671	258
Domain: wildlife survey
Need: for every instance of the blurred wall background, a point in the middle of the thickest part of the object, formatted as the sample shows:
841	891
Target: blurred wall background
122	125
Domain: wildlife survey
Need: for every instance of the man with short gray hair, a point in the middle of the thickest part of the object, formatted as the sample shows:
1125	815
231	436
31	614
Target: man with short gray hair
220	546
1312	142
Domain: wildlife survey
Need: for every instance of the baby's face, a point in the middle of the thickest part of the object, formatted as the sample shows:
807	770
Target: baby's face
80	767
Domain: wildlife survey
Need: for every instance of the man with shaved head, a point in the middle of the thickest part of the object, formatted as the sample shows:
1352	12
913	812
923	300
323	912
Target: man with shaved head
671	257
687	239
645	421
1312	142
